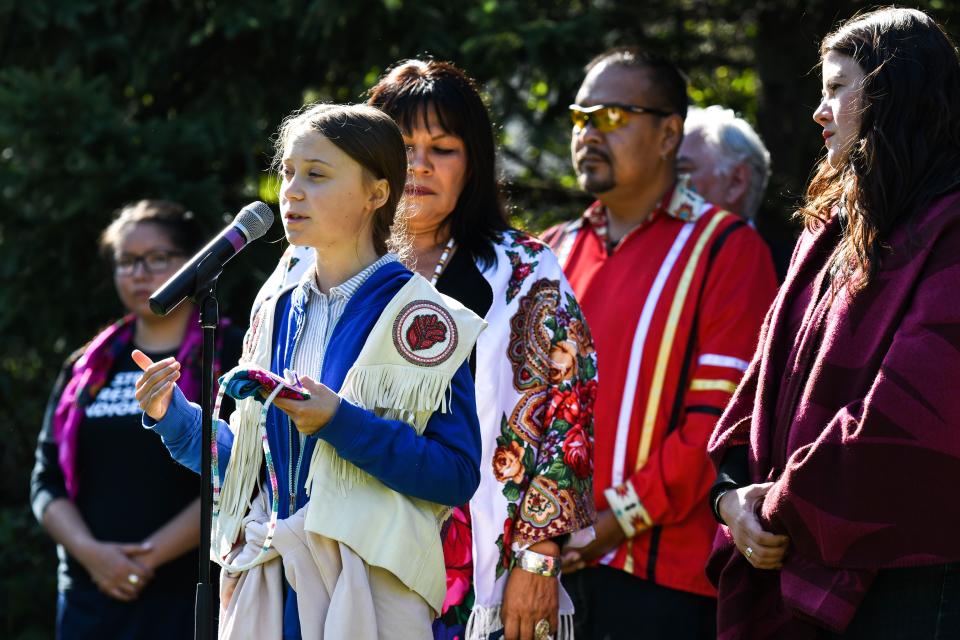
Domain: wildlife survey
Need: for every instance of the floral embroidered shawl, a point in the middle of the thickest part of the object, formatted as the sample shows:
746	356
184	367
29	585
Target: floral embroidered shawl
536	378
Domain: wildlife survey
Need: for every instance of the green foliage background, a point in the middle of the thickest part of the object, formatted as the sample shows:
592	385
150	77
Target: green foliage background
103	102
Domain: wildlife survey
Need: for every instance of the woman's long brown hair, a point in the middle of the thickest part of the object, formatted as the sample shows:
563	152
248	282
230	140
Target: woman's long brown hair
907	152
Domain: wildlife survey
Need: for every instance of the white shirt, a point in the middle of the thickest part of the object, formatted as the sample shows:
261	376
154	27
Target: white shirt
323	310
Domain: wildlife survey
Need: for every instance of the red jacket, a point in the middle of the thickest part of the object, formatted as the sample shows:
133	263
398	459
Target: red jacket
675	311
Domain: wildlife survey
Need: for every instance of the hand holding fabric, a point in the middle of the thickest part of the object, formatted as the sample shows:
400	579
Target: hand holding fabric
154	389
738	508
310	415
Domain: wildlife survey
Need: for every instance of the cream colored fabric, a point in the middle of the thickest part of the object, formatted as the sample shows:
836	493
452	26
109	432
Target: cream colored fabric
403	381
398	378
342	598
246	455
382	537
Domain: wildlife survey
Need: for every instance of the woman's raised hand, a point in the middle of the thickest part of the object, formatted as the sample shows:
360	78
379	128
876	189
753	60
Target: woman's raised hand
738	508
154	389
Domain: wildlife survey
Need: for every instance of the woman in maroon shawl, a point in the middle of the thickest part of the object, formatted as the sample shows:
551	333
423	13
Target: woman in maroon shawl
839	454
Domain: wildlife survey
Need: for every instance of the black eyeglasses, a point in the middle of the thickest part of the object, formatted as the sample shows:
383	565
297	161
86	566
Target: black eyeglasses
153	262
610	116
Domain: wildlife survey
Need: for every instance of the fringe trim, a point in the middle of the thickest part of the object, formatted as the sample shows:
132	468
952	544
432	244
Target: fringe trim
346	473
484	621
226	540
398	390
246	455
395	392
240	476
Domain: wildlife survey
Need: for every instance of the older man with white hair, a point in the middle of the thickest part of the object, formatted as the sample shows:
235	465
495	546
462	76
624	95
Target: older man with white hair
727	161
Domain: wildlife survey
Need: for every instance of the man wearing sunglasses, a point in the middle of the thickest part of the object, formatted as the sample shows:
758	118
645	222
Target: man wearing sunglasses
674	290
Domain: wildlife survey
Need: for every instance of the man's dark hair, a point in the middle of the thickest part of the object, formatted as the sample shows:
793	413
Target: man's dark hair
670	83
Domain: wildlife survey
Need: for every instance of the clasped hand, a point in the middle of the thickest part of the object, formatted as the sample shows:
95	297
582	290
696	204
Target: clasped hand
738	508
119	570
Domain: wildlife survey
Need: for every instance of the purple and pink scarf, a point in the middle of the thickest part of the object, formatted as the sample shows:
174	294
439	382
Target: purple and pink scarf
90	373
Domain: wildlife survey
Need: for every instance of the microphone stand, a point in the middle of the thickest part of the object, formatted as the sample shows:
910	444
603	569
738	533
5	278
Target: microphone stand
206	298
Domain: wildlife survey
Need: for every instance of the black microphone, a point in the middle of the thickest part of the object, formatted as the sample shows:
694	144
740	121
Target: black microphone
251	223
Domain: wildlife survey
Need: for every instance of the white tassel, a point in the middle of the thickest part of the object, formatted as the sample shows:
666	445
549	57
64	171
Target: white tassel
483	621
392	392
244	474
246	455
395	388
346	473
241	475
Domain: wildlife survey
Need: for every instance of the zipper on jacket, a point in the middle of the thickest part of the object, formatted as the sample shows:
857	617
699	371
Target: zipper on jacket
293	473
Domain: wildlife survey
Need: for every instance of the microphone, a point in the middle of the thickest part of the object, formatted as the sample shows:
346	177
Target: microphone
251	223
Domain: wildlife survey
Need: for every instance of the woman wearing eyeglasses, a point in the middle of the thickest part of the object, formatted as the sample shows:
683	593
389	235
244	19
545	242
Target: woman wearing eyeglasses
124	515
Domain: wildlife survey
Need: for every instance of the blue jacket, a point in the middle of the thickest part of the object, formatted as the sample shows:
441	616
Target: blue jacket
442	465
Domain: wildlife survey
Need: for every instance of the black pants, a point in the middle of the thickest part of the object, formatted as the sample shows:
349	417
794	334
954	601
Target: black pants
921	603
614	605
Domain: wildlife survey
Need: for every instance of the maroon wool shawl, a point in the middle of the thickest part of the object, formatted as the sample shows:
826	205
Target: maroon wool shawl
851	406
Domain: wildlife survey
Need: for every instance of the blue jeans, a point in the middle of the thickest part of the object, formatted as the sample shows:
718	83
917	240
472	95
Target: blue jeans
88	614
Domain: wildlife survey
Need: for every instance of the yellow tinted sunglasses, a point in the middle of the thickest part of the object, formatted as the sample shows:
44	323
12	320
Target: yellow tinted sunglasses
610	116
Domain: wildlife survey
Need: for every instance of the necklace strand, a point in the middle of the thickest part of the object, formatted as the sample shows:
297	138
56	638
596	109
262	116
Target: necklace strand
442	262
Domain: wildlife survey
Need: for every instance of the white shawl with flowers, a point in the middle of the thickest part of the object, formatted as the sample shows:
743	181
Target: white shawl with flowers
535	384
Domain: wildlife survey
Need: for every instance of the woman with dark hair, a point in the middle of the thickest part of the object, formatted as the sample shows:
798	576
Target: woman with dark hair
837	453
124	515
328	521
534	366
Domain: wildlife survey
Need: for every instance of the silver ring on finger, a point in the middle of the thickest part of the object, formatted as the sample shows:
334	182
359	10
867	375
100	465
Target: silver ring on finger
748	552
133	579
